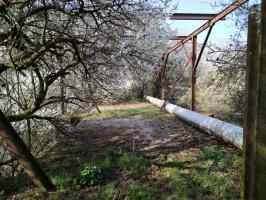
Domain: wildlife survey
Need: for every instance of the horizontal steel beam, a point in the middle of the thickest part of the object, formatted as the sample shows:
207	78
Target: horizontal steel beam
193	16
211	22
178	38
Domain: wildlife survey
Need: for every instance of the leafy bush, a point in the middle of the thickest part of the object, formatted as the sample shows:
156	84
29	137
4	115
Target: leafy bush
91	175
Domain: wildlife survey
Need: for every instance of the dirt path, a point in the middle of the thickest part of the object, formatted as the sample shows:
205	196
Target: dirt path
146	136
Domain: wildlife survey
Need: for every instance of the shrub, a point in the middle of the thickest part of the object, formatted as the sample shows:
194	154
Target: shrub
91	175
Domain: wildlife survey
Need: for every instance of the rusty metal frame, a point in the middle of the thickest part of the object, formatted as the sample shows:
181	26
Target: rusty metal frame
193	36
208	24
203	46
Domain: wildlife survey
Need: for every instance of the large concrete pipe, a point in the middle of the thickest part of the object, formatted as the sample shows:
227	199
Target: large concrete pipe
230	133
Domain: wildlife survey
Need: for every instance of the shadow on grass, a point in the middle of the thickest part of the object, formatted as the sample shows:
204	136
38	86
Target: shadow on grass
182	167
210	174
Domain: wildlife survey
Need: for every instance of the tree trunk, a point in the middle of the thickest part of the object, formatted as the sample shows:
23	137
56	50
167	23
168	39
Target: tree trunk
18	148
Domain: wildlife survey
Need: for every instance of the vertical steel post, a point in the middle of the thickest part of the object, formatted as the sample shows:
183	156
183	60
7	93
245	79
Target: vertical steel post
194	73
254	152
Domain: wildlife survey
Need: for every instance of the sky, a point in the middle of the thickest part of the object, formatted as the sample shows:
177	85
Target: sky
221	31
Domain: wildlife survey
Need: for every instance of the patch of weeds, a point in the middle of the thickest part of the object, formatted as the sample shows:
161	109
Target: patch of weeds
91	175
61	182
218	172
220	184
140	191
114	161
109	191
178	185
217	158
60	175
105	192
192	175
109	166
132	112
108	163
130	162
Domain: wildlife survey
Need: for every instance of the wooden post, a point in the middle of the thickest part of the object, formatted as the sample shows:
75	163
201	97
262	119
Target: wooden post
194	73
254	152
18	148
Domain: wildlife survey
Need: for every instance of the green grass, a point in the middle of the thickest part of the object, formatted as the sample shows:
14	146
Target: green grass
132	112
186	174
120	113
112	164
212	172
209	172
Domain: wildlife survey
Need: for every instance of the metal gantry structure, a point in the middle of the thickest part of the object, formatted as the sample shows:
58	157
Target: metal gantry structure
193	59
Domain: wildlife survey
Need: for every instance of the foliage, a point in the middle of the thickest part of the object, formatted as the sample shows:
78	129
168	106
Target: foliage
91	175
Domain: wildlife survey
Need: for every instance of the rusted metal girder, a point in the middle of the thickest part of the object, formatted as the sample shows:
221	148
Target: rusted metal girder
18	148
208	24
203	46
193	16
